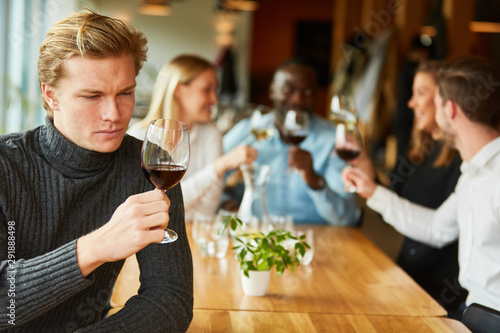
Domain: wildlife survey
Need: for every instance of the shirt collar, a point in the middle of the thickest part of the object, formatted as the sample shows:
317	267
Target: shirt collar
483	156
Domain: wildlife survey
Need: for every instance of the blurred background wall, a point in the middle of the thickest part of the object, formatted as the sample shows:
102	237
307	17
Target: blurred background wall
256	41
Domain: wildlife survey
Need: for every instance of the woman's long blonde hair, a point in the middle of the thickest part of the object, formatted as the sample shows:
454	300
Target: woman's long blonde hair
180	70
422	143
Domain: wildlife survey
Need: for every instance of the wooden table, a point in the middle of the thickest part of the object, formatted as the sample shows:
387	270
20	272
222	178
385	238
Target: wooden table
349	275
275	322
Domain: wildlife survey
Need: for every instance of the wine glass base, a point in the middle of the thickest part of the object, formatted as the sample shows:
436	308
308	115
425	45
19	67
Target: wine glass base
170	236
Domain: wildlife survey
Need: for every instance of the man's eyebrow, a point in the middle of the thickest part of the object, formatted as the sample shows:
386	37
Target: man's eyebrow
130	87
98	92
89	91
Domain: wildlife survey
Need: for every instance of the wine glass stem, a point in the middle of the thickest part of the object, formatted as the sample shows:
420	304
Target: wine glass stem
351	188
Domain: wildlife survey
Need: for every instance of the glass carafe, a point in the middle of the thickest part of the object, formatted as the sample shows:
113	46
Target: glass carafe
253	210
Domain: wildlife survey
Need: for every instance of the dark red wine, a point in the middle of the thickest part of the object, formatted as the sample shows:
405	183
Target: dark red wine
294	139
163	176
347	154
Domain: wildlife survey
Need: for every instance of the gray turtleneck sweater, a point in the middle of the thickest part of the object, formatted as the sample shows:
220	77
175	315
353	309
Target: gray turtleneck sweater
51	193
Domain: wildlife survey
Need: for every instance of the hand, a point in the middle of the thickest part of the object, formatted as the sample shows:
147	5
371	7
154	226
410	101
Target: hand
240	155
301	160
363	182
139	221
364	163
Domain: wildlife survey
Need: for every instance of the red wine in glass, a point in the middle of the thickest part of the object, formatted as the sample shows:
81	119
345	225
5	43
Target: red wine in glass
348	154
294	139
162	176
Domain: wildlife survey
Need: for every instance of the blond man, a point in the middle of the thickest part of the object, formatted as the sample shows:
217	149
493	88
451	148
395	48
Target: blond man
74	202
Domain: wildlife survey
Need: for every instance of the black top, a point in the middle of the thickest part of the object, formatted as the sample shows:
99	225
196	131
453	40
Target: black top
436	270
51	193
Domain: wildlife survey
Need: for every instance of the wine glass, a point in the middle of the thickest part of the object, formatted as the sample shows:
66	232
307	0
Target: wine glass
295	127
165	157
262	123
348	145
343	110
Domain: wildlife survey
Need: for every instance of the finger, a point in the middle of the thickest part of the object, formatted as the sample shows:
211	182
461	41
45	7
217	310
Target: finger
348	174
158	220
151	208
155	235
149	196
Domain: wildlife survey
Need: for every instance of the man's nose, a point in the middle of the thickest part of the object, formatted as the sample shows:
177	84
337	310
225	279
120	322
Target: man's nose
298	98
111	111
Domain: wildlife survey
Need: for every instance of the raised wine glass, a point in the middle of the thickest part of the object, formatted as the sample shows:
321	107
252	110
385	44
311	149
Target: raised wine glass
262	123
348	145
296	125
165	157
295	128
343	110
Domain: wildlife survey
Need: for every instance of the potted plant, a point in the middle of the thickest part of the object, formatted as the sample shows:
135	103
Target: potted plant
258	253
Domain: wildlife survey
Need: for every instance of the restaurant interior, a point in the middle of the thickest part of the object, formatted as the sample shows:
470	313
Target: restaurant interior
247	40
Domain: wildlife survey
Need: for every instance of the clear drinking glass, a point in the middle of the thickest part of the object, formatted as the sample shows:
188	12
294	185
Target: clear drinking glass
210	236
308	256
165	157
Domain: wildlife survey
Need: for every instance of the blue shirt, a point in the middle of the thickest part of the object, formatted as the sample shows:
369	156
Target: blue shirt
287	192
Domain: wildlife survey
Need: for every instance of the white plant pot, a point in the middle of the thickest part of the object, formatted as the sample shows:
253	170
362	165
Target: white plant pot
257	284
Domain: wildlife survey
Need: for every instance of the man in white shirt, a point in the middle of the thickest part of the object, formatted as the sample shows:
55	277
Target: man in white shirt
468	112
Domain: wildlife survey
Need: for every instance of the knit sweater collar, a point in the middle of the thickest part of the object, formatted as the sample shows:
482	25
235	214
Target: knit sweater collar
68	158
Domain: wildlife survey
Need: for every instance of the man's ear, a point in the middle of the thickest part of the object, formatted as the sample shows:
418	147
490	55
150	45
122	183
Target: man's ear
50	96
452	109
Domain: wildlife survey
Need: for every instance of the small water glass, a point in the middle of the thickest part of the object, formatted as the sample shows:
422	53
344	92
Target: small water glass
308	257
210	236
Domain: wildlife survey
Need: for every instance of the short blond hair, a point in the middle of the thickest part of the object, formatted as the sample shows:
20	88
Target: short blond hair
86	34
181	70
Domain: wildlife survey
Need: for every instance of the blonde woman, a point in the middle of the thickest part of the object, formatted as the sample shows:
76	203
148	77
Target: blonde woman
186	90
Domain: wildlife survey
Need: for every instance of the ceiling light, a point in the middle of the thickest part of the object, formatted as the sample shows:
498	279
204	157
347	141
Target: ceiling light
476	26
245	5
155	7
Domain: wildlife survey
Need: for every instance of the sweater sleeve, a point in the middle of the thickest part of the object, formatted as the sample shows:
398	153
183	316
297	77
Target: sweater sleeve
165	299
434	227
28	286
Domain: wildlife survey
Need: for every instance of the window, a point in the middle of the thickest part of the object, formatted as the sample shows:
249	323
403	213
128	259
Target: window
23	24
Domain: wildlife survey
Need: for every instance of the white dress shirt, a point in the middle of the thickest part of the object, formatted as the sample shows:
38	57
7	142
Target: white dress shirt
471	213
201	188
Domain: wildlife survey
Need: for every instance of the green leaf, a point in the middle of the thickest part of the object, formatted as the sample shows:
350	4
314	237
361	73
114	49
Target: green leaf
260	251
